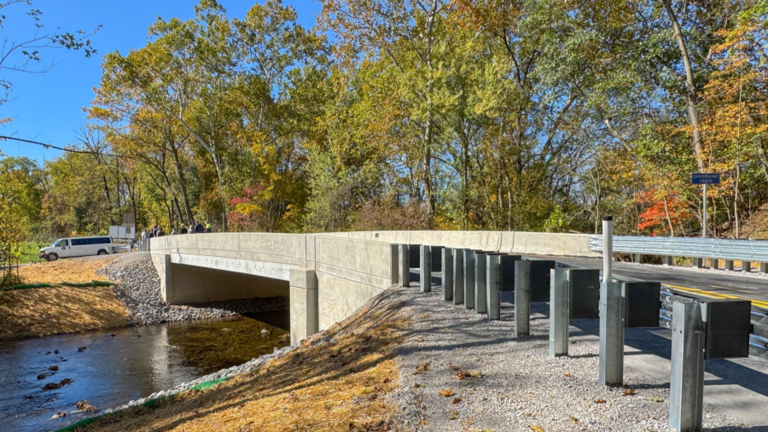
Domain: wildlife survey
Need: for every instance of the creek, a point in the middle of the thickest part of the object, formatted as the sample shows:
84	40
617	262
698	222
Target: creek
111	367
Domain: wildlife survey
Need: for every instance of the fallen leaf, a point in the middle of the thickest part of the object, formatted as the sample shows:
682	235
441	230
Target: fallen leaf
453	415
417	385
59	415
456	400
452	367
655	399
53	368
574	419
447	392
41	376
536	428
568	375
462	375
475	373
601	400
386	380
629	392
81	349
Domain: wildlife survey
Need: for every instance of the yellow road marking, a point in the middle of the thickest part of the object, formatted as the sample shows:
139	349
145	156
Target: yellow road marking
717	295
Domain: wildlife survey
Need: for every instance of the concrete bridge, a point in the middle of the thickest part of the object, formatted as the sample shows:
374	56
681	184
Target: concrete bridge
327	277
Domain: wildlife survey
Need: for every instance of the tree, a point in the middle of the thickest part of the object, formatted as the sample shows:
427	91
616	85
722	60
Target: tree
26	55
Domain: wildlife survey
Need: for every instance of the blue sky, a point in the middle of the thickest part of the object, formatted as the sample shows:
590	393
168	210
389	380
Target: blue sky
48	107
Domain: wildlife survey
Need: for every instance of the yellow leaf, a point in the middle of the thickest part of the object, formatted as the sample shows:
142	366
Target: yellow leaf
536	428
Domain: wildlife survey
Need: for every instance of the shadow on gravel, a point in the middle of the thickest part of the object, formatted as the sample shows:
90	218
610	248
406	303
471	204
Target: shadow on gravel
657	341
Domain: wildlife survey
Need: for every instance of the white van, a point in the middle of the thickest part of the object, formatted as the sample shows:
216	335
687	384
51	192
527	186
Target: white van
77	246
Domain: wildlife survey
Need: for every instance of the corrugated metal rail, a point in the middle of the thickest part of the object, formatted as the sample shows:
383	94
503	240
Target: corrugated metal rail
737	250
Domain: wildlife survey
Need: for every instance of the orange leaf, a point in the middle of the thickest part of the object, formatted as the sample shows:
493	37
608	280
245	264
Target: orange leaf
447	392
601	400
536	428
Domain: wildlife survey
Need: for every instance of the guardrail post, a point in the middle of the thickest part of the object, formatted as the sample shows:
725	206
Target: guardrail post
746	266
481	291
611	334
405	265
763	267
458	276
559	316
714	263
469	279
436	252
698	262
522	298
687	381
668	261
425	274
493	282
447	273
729	265
607	248
638	258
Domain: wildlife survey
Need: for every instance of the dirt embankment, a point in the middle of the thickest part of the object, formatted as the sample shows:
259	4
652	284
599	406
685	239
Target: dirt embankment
340	380
46	311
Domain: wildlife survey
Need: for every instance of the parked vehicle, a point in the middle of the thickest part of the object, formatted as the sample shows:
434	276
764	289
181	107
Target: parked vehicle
77	247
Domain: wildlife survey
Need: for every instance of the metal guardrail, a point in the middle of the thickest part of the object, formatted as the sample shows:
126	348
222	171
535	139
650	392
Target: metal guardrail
758	344
738	250
758	337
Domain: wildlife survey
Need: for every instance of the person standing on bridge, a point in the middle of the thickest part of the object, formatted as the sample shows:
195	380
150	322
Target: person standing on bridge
208	227
183	229
199	229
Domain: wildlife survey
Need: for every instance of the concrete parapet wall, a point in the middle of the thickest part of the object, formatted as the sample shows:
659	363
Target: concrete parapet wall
519	242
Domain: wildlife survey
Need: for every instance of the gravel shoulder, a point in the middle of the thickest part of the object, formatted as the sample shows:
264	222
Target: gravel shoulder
513	384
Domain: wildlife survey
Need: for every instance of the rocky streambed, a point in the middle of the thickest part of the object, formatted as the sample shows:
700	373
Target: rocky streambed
138	287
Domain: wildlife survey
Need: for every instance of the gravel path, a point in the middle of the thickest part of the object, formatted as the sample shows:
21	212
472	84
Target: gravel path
139	290
513	384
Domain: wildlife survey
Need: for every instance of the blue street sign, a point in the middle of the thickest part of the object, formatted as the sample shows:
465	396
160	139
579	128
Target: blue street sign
705	178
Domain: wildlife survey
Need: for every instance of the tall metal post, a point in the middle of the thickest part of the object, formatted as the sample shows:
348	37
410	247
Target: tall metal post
405	265
492	280
447	274
469	278
480	282
704	214
686	393
425	275
607	249
458	276
611	334
522	298
559	312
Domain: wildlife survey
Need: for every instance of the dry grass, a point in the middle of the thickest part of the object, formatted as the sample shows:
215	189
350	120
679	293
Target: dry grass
68	270
45	311
339	386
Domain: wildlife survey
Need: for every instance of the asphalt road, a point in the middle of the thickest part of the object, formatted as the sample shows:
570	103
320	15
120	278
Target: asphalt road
715	283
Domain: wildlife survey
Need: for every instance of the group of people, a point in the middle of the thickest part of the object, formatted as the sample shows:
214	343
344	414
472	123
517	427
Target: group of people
195	228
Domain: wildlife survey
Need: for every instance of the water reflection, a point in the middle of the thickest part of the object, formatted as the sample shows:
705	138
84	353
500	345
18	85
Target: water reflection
120	365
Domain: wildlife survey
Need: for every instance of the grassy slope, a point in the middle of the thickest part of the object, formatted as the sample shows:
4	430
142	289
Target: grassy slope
46	311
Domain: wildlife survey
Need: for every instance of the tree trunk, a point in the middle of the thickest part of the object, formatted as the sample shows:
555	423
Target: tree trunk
182	184
669	219
691	94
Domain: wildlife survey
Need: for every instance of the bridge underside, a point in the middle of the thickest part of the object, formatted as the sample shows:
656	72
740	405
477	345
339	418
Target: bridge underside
185	283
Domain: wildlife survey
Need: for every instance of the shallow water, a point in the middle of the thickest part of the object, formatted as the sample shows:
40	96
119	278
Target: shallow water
122	365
